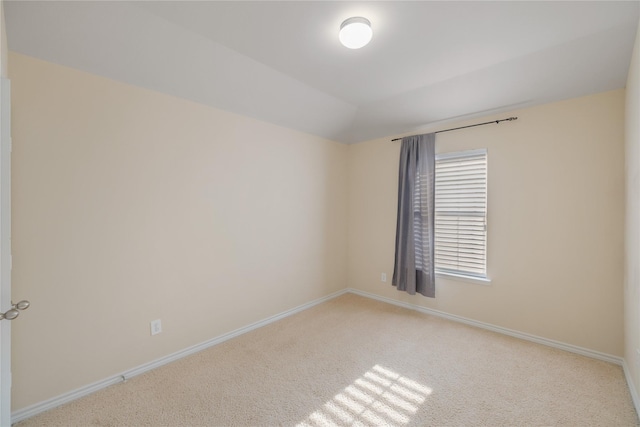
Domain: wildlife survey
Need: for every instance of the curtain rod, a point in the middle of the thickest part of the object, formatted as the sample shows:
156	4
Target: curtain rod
470	126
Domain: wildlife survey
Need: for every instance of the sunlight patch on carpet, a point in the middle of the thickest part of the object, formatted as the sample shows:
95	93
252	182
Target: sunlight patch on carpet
379	397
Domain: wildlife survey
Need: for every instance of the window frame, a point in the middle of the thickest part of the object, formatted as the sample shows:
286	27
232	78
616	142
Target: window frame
460	274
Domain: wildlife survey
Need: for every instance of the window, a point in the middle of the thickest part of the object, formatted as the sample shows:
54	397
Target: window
461	214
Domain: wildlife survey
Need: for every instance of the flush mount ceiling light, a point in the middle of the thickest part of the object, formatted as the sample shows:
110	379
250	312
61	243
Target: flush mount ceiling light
355	32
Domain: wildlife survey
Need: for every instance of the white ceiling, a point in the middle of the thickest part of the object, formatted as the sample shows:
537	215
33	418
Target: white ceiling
281	61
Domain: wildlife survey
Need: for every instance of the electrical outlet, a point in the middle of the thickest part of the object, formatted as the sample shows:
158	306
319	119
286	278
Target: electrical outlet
156	327
383	277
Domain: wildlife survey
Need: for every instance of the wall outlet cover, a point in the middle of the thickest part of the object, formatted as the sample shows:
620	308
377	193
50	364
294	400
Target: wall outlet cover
156	327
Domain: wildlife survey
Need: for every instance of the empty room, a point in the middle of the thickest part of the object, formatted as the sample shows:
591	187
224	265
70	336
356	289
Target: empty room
319	213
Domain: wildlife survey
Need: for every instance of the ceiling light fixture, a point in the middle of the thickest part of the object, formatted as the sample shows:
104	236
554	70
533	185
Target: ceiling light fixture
355	32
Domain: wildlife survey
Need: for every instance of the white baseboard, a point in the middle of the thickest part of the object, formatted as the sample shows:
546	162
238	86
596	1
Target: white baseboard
528	337
40	407
631	385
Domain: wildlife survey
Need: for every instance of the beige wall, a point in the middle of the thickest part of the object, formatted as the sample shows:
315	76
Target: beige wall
555	222
131	206
632	265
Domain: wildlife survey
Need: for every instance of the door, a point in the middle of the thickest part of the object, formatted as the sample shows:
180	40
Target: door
5	252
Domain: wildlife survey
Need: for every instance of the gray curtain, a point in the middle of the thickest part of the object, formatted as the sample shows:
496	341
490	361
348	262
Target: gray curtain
414	260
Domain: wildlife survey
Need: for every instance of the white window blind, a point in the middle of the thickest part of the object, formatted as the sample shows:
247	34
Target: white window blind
461	213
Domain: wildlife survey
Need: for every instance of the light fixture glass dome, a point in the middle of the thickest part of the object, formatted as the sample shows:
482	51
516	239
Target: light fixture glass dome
355	32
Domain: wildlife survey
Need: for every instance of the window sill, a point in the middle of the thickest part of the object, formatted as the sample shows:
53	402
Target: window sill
463	278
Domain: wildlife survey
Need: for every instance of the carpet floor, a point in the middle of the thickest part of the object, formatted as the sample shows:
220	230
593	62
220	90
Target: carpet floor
353	361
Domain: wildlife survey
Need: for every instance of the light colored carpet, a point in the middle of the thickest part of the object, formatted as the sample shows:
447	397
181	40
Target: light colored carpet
353	361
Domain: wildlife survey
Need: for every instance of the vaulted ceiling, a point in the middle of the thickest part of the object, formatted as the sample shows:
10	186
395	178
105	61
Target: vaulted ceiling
281	62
